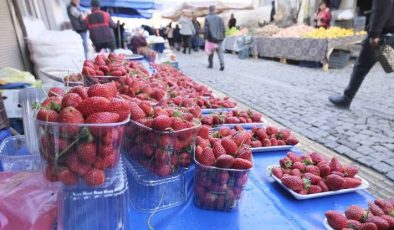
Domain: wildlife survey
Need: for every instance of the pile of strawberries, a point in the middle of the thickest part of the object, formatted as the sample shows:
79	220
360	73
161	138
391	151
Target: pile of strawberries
231	117
378	216
161	139
142	89
312	173
80	132
272	136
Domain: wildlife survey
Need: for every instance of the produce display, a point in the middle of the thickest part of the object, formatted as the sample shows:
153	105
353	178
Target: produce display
312	173
378	216
232	117
222	165
295	31
332	32
80	133
232	32
272	136
267	31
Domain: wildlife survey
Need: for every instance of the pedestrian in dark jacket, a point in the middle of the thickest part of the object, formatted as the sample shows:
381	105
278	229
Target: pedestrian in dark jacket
215	33
381	23
100	27
177	38
78	24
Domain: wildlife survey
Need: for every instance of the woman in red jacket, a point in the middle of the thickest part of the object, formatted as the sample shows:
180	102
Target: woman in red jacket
323	17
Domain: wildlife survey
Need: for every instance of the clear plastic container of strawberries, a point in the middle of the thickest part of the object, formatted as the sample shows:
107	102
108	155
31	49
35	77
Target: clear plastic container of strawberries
80	133
161	139
223	160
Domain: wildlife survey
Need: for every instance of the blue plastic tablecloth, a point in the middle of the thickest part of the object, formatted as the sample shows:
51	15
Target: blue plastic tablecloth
265	205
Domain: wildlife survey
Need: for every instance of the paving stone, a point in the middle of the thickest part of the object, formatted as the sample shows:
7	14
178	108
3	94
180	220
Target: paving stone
353	154
389	161
382	167
390	175
367	160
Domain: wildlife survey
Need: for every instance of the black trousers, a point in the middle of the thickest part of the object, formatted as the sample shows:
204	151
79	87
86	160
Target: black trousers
187	42
106	45
364	63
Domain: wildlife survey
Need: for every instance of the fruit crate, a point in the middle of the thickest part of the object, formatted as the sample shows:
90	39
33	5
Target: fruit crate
15	157
339	59
80	155
218	188
96	208
162	152
149	192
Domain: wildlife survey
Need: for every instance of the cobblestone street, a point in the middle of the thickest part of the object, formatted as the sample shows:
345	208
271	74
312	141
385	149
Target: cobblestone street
297	98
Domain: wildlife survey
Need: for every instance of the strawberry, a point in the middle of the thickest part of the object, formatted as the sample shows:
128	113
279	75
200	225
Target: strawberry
351	182
354	212
281	142
73	162
207	120
317	158
111	160
95	177
204	131
54	103
80	90
92	105
266	142
324	169
323	186
83	169
218	149
161	122
184	159
224	161
121	107
256	144
70	115
209	200
336	220
285	163
334	182
107	90
368	226
351	171
298	165
338	173
386	206
283	134
353	224
207	157
274	142
375	210
158	94
240	163
312	169
381	223
256	117
245	153
335	165
240	138
314	189
312	177
163	170
294	183
389	219
307	159
56	92
99	60
102	118
147	121
277	172
295	172
271	130
136	113
47	115
71	99
50	173
293	157
67	177
87	152
229	145
261	134
179	124
224	131
202	142
292	140
147	108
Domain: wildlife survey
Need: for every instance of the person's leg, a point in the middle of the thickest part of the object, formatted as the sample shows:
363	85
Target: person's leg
189	43
210	60
364	63
111	46
84	36
184	41
219	50
98	47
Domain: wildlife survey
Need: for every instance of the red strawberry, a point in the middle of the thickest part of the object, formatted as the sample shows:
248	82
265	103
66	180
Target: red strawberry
274	142
179	124
335	182
271	130
147	108
136	113
224	161
338	173
375	210
95	177
324	169
285	163
73	162
292	140
224	131
229	145
307	159
266	142
163	170
240	138
218	149
87	152
71	99
56	92
354	212
121	107
207	120
204	131
386	206
312	169
368	226
107	90
381	223
67	177
256	144
92	105
353	224
389	219
70	115
336	220
317	158
161	122
351	171
312	177
47	115
335	165
80	90
281	142
202	142
184	159
294	183
283	134
207	157
83	169
295	172
277	172
314	189
111	160
240	163
351	182
54	103
323	186
293	157
50	173
261	134
102	118
298	165
245	153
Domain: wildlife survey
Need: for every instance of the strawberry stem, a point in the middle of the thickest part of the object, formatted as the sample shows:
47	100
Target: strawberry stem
83	135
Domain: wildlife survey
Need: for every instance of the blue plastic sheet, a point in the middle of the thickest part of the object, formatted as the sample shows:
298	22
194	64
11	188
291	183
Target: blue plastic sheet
265	205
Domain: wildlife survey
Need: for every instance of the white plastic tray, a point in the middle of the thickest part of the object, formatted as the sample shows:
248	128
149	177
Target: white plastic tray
134	57
326	225
364	185
262	123
272	148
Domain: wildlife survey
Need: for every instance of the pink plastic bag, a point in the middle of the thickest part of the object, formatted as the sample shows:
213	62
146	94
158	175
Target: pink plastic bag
26	202
210	47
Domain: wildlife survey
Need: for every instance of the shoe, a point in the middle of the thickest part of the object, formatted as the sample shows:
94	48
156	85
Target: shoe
209	66
221	68
340	101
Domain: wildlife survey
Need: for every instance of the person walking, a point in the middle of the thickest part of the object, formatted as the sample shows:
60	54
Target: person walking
215	33
381	23
187	31
78	24
177	37
100	27
232	22
170	35
323	16
196	36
